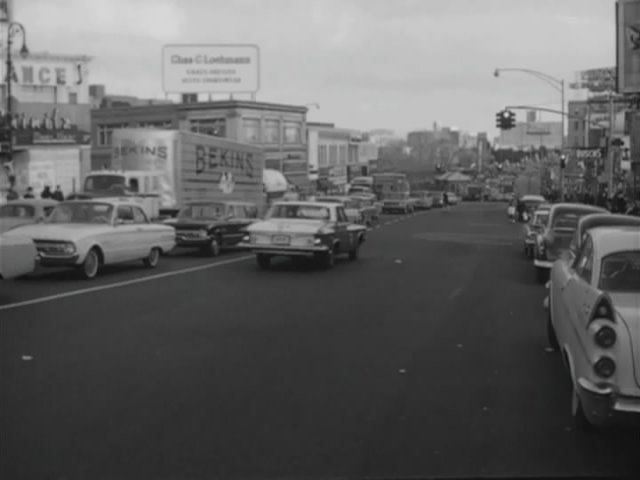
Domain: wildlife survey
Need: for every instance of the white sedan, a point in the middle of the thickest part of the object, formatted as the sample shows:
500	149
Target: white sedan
87	234
17	256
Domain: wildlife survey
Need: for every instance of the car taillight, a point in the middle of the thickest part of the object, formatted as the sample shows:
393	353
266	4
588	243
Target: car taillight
605	337
605	367
603	310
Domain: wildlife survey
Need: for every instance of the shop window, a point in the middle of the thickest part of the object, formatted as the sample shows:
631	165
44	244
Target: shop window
292	132
323	159
272	131
343	155
251	127
216	127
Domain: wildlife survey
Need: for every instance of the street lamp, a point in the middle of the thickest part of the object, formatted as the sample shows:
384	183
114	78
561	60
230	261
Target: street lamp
13	29
556	83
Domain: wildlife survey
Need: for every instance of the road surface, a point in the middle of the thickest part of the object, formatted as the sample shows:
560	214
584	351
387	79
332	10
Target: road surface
424	358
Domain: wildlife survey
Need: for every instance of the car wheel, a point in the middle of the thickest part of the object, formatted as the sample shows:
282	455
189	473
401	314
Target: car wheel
551	332
151	261
263	260
541	274
327	259
212	249
580	420
91	265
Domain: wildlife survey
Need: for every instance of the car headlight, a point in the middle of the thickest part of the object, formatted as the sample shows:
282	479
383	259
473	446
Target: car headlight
246	238
69	248
202	233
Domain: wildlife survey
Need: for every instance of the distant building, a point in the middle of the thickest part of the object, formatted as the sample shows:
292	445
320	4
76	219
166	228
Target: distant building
595	113
100	99
536	134
383	137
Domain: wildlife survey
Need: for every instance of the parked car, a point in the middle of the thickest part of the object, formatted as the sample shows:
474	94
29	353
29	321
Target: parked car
370	199
453	198
397	203
23	212
594	321
87	234
556	235
212	226
351	206
437	198
423	200
367	208
593	221
533	228
318	230
17	256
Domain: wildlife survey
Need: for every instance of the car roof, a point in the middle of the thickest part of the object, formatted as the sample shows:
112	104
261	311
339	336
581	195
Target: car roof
115	203
537	198
222	202
608	240
308	204
579	207
46	202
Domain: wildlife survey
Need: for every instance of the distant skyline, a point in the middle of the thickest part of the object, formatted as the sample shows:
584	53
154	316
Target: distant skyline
401	65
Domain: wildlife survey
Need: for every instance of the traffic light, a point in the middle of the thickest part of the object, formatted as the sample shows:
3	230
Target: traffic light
505	120
563	162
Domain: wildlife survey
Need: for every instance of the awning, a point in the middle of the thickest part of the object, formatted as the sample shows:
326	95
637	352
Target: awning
274	181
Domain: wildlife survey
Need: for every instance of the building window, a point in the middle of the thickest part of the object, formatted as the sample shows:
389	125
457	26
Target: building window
105	133
323	161
343	155
272	131
216	127
272	163
576	125
333	155
73	98
160	124
251	127
292	132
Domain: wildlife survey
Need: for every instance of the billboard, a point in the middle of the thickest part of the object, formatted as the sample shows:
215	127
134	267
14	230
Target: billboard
210	68
628	45
596	80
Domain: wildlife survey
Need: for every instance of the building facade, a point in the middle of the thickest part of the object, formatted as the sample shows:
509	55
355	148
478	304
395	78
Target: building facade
595	113
277	129
335	154
51	118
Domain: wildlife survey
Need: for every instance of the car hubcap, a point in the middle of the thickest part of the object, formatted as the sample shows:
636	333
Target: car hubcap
153	257
91	264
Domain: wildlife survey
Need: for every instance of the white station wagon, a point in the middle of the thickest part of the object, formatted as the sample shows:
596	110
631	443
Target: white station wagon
87	234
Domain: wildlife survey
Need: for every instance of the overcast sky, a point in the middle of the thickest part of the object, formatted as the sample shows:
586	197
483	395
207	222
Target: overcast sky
399	64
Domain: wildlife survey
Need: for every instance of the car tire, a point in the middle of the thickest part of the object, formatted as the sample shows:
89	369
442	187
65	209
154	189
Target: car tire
212	249
263	261
151	260
541	275
90	265
580	420
327	259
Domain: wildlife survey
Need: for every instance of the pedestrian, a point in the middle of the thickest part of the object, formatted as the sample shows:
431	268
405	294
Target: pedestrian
445	202
58	195
29	193
46	193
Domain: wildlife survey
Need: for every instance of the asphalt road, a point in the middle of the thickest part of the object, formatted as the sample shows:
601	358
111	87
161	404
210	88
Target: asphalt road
424	358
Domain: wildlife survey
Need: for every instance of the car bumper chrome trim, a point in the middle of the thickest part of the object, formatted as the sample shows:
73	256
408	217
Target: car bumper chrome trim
542	263
284	250
56	260
604	405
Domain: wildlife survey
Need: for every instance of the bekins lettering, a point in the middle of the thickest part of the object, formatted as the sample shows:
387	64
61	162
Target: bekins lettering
212	158
159	151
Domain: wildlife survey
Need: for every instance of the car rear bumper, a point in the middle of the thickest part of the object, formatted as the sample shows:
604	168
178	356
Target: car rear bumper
284	250
604	406
542	263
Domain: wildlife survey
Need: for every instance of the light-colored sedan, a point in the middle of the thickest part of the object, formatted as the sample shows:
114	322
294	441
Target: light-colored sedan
594	321
87	234
22	212
17	256
318	230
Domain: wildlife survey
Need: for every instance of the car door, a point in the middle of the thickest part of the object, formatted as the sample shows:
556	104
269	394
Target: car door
146	234
342	232
128	236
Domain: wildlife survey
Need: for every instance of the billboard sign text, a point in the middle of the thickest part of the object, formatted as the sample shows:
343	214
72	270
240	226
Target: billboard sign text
628	45
211	68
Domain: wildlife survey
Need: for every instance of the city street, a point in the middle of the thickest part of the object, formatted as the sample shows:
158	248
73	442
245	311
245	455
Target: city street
426	357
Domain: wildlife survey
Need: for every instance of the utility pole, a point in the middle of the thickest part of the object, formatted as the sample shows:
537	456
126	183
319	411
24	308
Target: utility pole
610	153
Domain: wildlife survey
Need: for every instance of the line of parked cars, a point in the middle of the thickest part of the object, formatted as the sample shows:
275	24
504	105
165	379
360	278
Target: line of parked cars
589	260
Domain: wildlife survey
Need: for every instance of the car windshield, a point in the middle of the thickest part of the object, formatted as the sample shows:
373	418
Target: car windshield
293	211
540	218
567	220
81	212
208	211
17	211
620	272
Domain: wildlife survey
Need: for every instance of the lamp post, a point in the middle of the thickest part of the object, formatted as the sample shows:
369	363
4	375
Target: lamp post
559	85
13	29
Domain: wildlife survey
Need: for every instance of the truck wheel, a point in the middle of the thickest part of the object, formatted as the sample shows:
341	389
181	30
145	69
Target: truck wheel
263	260
212	249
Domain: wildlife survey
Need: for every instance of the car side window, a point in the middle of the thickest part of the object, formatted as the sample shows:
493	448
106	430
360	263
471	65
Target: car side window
139	216
47	210
584	267
125	214
342	216
251	211
239	211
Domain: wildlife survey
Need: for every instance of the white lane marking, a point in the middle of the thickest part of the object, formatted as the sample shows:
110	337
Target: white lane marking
124	283
455	293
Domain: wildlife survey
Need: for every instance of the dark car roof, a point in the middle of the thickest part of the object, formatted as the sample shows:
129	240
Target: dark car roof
576	207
